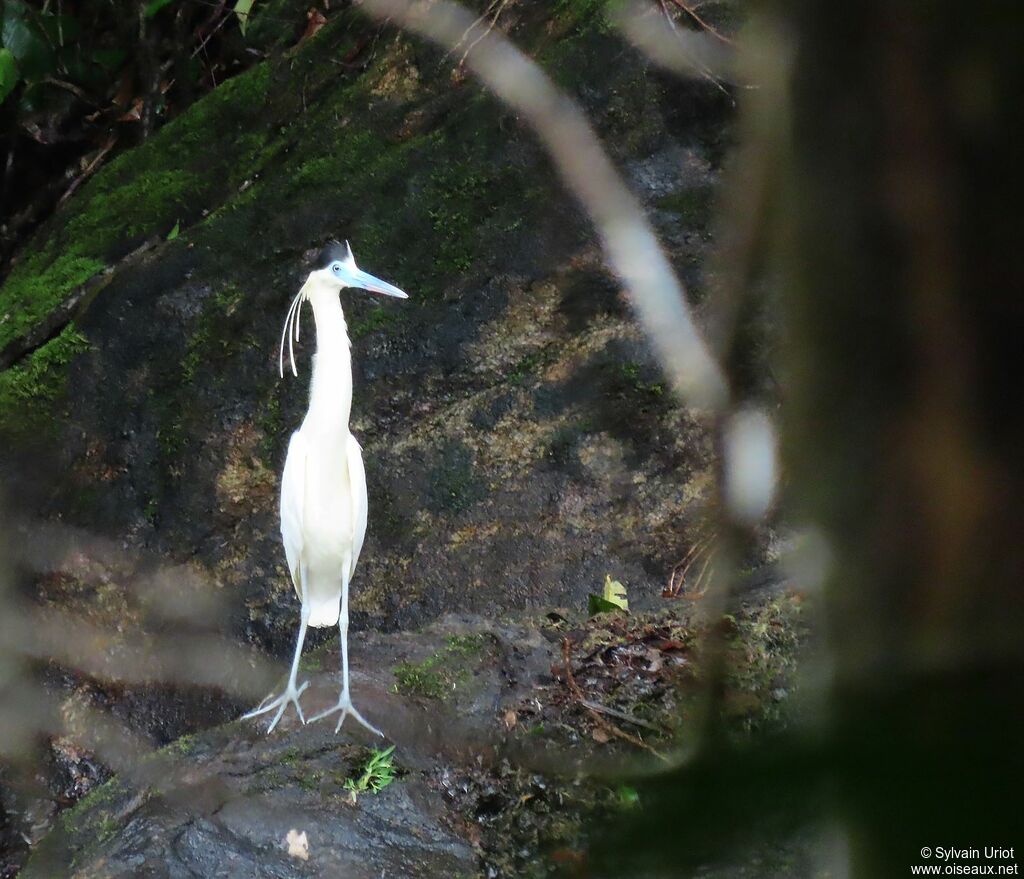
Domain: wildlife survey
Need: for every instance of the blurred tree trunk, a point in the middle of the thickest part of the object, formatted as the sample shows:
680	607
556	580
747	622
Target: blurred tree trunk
904	265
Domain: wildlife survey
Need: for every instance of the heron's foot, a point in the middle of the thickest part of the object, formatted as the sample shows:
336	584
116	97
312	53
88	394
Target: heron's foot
345	707
289	696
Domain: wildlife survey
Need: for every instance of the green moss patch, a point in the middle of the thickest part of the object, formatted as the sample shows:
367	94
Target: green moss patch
192	162
92	823
36	286
30	387
422	679
763	655
694	206
281	156
437	676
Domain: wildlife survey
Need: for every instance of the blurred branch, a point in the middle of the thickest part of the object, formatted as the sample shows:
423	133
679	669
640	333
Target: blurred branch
628	238
494	9
682	51
53	548
201	660
28	712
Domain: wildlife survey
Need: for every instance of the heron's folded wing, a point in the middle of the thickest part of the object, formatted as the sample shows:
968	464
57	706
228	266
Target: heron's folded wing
293	501
357	485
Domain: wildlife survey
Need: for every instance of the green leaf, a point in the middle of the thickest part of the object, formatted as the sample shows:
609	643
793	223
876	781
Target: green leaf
174	232
83	73
242	10
155	6
628	796
612	598
8	73
17	34
596	604
110	59
378	774
24	41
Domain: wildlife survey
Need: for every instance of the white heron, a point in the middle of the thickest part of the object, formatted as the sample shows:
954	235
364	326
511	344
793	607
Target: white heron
323	488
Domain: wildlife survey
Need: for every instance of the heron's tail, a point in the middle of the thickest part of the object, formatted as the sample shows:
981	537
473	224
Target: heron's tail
323	589
324	610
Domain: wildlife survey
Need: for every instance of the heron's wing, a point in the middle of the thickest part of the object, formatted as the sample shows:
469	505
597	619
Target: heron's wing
293	504
357	485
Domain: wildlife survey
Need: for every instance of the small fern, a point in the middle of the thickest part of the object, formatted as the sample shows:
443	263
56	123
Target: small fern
377	775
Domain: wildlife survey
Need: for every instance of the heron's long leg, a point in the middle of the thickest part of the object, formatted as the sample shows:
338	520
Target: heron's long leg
303	625
343	636
345	706
291	692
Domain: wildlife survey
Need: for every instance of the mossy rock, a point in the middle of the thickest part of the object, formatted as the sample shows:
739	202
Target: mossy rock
444	672
507	410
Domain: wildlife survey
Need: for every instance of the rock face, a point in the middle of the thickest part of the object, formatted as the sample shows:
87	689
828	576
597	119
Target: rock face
235	802
247	824
495	730
519	441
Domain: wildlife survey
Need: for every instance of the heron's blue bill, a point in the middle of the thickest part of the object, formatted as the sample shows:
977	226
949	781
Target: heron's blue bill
375	285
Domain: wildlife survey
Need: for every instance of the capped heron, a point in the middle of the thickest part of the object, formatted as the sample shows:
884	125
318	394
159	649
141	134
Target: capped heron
323	488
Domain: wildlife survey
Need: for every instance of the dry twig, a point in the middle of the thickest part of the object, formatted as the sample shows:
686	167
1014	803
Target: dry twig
697	63
620	715
90	169
705	547
498	6
690	11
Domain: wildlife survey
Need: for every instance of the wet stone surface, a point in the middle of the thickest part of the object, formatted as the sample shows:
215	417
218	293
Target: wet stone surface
224	803
500	762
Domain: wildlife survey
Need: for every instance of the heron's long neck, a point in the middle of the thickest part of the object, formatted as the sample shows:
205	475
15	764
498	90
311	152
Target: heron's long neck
330	394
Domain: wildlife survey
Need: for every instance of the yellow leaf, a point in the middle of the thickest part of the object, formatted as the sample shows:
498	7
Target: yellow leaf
243	8
615	592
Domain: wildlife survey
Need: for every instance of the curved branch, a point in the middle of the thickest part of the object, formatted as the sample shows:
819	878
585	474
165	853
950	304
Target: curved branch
628	238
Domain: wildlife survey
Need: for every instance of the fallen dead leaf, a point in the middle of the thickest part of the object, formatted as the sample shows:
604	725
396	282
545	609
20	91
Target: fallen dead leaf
134	114
298	844
671	644
568	856
654	662
315	20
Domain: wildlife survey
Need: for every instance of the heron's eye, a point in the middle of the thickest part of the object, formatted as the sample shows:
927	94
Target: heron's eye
337	268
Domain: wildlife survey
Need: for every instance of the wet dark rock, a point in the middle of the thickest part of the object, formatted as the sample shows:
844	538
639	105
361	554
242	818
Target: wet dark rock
493	750
223	803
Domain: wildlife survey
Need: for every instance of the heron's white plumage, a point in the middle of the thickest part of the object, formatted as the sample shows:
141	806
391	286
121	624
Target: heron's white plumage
293	492
323	491
323	487
319	551
322	551
360	499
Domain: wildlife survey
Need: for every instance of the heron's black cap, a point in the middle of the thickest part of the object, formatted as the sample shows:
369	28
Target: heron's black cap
332	252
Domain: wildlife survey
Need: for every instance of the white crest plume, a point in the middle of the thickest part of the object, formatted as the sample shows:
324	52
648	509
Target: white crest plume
292	320
345	273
